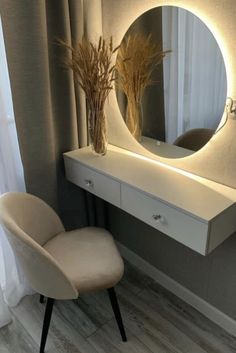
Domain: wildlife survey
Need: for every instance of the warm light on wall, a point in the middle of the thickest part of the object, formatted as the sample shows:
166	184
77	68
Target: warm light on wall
228	192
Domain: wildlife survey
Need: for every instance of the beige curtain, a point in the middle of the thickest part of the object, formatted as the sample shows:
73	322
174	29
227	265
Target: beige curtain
49	109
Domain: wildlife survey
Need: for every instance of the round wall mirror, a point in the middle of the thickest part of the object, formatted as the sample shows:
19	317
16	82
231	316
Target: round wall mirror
171	81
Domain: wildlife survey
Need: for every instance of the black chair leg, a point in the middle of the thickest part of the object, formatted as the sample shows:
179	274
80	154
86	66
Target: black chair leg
41	299
116	309
46	323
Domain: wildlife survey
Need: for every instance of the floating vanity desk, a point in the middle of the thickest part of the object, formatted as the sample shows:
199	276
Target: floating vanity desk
194	211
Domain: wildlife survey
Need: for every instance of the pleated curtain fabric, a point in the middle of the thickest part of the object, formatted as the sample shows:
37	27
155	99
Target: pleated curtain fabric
49	110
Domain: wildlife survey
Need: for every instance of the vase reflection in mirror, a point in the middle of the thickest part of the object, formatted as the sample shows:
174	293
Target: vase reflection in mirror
188	87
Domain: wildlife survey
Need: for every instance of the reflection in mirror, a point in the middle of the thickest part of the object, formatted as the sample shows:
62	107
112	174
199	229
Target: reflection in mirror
180	107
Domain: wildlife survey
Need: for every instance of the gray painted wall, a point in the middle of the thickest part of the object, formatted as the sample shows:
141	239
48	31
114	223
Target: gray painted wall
211	277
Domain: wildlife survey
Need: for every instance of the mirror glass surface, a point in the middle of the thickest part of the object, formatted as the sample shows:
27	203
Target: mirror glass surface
171	81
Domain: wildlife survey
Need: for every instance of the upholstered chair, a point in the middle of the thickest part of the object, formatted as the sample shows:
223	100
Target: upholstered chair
194	139
60	264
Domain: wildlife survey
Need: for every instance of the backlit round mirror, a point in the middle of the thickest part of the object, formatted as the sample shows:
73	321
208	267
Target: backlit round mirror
171	81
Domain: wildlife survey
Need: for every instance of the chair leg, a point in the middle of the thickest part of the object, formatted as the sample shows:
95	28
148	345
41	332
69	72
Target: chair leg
41	299
116	309
46	323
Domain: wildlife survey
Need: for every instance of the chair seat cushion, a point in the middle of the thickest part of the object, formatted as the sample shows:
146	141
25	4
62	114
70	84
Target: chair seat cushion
89	257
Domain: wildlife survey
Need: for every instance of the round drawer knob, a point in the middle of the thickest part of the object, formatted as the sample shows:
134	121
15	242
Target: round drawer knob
158	218
88	183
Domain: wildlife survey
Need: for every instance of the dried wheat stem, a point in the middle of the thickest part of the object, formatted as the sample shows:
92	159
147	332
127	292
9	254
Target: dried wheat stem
93	71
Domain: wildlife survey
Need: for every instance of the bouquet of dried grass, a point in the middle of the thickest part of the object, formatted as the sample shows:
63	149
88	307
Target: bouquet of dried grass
137	58
93	71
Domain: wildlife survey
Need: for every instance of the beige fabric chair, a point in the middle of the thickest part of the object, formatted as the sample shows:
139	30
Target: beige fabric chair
59	264
194	139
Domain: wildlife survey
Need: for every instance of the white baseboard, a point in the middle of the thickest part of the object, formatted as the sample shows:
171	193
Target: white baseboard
208	310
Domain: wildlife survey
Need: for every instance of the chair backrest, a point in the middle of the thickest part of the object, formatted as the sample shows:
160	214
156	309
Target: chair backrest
29	223
194	139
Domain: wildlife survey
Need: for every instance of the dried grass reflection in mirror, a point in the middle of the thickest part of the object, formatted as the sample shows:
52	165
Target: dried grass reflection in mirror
137	58
183	102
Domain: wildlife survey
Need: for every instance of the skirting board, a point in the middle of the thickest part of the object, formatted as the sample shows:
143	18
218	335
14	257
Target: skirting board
208	310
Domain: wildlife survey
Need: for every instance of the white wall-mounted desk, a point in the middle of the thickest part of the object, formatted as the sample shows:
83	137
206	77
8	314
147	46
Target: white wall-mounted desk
192	210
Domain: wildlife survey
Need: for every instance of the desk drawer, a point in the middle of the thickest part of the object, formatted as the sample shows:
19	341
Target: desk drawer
96	183
178	225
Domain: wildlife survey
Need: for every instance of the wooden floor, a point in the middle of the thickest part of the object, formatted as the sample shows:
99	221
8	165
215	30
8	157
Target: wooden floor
156	322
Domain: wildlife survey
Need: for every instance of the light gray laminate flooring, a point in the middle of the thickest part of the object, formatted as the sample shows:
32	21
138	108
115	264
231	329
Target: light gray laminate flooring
156	321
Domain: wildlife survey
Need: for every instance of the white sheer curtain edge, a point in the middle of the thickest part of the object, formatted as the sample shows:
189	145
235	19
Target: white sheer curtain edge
13	285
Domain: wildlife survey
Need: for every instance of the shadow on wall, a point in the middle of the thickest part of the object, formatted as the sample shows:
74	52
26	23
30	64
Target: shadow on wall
210	277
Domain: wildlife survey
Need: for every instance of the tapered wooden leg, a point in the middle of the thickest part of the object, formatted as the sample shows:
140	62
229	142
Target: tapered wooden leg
41	299
46	323
116	309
